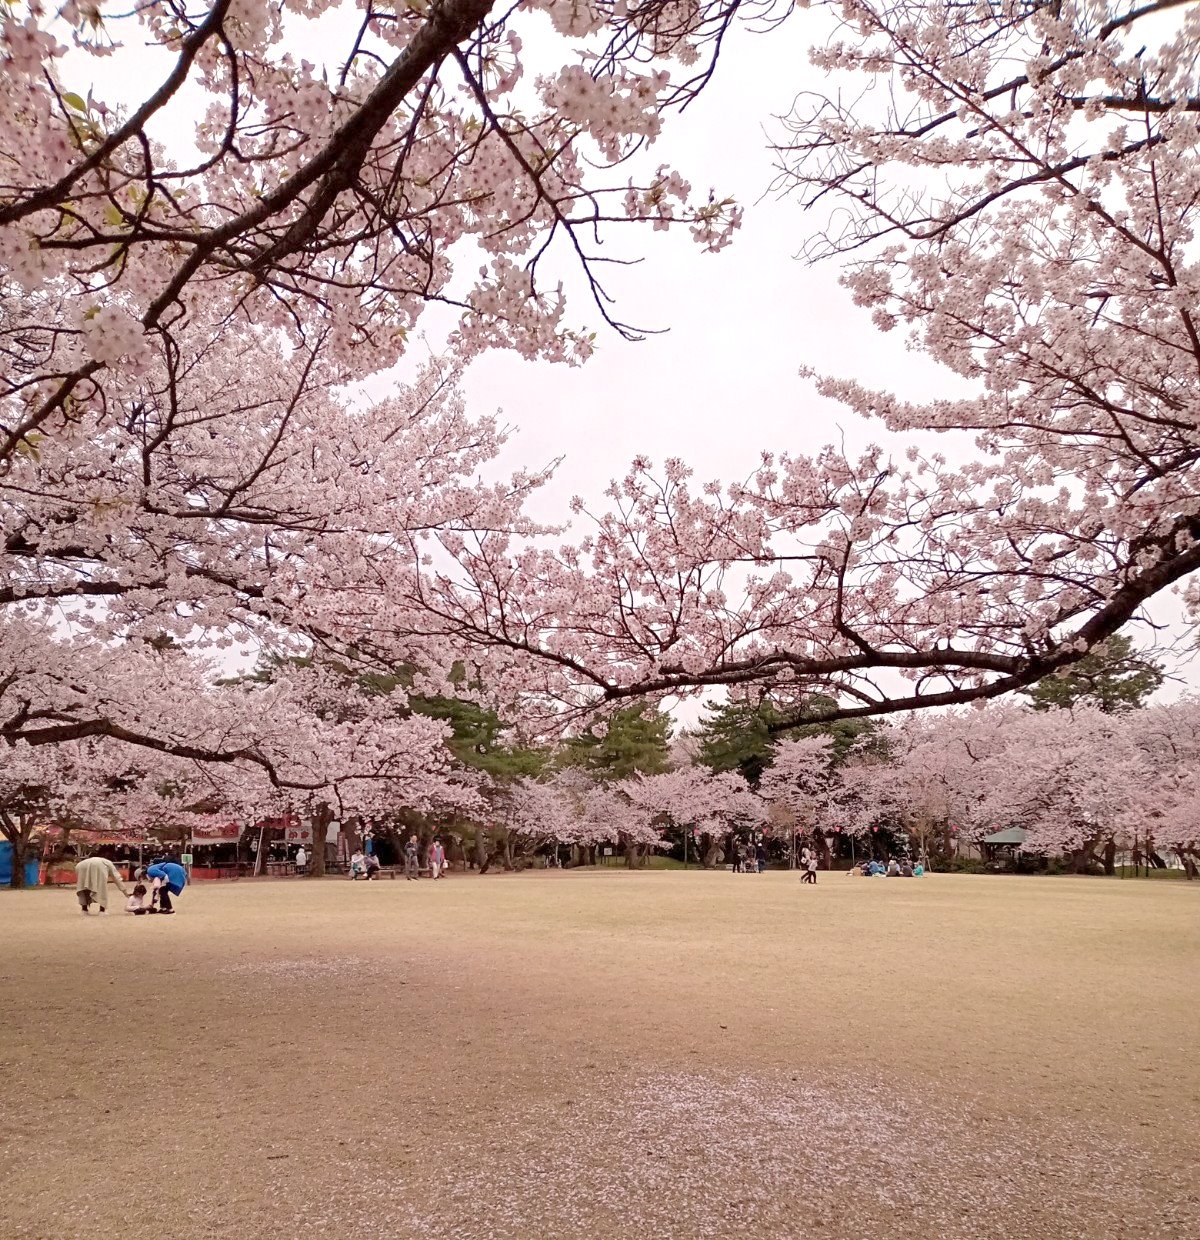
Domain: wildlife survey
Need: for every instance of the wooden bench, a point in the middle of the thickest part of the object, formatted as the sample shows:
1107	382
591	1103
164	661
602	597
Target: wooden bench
397	871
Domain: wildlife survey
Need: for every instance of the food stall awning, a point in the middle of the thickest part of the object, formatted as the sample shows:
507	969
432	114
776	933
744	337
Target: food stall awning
98	836
216	833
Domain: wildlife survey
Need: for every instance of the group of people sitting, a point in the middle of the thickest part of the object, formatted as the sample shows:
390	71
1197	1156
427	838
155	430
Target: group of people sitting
894	869
364	865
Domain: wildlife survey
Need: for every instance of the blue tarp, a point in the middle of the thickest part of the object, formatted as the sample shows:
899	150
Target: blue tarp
6	866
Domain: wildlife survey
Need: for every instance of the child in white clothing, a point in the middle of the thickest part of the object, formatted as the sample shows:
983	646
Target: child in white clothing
138	902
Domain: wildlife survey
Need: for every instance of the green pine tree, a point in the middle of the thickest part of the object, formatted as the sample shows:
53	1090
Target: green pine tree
740	736
1115	676
636	741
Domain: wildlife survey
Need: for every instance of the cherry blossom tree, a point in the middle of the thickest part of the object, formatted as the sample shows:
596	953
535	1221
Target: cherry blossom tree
97	785
1069	778
179	454
224	511
39	787
303	743
572	808
801	780
1174	823
693	798
1083	784
1167	796
332	193
929	778
1019	196
183	456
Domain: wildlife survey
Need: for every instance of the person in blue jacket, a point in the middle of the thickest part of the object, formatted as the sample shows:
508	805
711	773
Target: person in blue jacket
169	879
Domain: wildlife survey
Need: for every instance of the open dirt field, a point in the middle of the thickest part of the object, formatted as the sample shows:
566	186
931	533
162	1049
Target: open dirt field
602	1055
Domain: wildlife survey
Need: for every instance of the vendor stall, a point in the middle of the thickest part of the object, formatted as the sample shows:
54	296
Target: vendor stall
63	846
214	848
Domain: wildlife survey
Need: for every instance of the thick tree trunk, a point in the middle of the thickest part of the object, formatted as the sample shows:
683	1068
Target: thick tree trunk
1083	859
489	856
711	853
322	817
1110	857
19	850
633	855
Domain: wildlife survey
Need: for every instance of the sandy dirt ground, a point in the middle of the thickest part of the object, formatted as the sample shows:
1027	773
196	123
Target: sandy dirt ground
606	1055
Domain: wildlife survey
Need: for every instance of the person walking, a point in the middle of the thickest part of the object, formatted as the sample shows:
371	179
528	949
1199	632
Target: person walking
812	866
437	859
412	859
92	876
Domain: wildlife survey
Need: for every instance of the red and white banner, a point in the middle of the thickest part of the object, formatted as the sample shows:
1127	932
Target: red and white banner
296	834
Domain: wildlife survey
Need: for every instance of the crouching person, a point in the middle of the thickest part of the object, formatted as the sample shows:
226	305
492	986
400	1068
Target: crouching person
169	879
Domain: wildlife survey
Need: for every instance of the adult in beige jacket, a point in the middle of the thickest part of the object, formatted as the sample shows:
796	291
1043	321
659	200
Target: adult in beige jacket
92	877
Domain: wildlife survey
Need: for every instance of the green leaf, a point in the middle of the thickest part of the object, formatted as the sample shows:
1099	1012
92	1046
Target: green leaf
28	446
75	101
